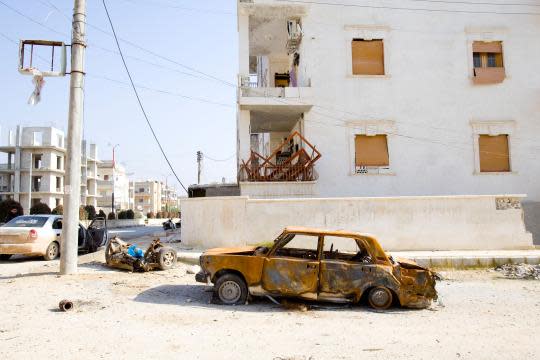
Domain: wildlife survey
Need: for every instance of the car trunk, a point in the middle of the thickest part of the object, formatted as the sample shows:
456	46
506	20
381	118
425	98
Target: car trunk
14	235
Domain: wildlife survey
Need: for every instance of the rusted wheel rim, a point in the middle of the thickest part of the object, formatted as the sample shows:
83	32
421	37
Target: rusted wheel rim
53	251
380	298
230	292
168	258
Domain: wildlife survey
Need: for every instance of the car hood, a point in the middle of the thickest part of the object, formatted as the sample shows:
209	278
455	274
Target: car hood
230	250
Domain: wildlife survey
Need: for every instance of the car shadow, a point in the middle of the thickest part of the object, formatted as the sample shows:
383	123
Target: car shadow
202	296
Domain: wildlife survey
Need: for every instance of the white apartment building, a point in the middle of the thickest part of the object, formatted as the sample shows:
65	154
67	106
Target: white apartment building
169	198
357	101
148	196
34	160
112	176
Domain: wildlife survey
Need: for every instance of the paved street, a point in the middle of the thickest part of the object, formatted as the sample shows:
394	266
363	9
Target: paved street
167	315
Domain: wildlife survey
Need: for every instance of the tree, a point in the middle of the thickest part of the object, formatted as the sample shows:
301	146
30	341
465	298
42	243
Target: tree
150	215
83	215
6	206
91	211
40	209
102	214
122	215
130	214
111	216
59	210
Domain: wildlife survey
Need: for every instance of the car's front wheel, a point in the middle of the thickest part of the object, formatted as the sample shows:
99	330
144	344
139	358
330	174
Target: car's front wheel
380	298
231	289
52	251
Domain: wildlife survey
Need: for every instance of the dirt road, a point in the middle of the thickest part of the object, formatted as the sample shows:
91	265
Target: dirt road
167	315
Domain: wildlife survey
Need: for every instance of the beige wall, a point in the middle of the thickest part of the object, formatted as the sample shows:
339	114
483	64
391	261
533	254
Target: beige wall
400	223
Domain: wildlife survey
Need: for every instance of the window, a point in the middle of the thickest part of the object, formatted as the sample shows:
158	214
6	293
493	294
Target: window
58	202
36	183
58	183
37	160
494	153
59	140
37	138
488	62
367	57
299	246
371	151
105	177
59	162
345	249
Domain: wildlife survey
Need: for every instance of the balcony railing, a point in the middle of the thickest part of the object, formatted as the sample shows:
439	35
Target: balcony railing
7	167
283	164
6	188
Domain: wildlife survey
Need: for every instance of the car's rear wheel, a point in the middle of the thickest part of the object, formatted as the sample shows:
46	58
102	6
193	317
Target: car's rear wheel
231	289
167	258
380	298
52	251
5	257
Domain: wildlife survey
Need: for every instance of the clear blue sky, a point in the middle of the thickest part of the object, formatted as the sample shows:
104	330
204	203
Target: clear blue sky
199	34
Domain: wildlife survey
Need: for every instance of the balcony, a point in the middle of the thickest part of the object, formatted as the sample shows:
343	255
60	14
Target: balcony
292	161
7	167
251	96
6	189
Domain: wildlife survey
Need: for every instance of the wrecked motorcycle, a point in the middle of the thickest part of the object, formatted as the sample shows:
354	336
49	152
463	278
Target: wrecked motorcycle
122	255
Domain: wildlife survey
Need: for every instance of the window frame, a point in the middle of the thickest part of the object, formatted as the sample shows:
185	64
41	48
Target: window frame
367	32
493	128
487	34
371	128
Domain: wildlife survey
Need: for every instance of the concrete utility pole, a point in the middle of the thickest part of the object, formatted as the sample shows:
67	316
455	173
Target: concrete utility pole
199	163
72	189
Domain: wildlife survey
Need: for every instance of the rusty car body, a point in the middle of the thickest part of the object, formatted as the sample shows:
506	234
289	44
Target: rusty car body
307	263
41	235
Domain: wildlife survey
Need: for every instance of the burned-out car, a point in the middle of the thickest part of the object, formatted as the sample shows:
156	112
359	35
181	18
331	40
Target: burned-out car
314	264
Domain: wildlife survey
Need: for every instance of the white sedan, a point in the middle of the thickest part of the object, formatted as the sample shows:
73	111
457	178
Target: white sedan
40	235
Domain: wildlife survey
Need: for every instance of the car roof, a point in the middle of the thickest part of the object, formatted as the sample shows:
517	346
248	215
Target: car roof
44	216
316	231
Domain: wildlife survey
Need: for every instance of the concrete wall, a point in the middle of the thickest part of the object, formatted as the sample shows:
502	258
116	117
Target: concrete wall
400	223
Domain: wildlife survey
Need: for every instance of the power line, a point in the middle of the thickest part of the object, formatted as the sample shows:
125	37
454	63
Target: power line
279	100
406	8
161	91
138	98
219	160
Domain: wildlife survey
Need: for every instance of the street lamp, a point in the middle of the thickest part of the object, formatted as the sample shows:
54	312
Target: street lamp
113	182
167	192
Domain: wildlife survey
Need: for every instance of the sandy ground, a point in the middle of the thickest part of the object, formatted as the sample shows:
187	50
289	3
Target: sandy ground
167	315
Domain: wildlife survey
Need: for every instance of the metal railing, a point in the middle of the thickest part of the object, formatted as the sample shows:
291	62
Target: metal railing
286	163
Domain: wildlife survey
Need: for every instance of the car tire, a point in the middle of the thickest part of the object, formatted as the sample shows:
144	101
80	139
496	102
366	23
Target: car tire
380	298
52	252
5	257
167	258
231	289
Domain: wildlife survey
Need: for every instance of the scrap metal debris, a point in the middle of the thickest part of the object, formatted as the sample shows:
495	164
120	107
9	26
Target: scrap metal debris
520	271
66	305
122	255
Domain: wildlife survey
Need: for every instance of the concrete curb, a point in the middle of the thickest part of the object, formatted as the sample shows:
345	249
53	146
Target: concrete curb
445	260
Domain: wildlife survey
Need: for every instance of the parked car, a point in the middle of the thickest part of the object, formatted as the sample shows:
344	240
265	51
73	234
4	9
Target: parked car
40	235
314	264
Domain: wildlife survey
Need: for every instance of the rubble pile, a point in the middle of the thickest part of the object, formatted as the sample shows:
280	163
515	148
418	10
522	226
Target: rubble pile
520	271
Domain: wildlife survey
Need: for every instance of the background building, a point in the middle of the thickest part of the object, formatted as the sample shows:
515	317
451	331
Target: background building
169	198
34	161
112	176
148	195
